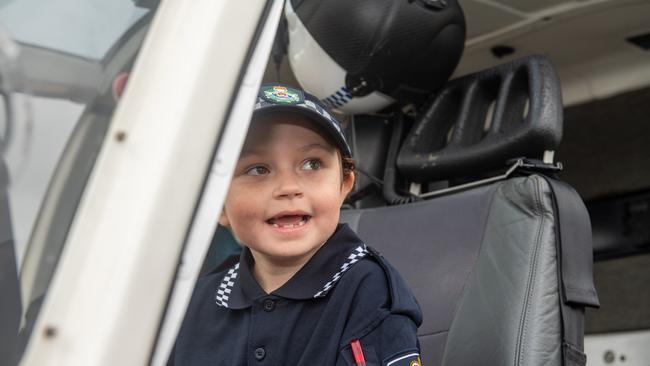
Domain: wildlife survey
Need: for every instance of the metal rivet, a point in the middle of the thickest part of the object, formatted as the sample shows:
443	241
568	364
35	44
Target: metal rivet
50	331
120	136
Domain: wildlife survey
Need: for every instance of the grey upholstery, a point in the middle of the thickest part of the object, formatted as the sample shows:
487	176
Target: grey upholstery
484	266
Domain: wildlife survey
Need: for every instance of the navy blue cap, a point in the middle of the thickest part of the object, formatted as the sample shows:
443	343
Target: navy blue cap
281	97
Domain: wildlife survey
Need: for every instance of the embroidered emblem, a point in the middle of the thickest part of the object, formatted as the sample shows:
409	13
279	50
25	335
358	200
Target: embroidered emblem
409	359
281	94
358	253
225	288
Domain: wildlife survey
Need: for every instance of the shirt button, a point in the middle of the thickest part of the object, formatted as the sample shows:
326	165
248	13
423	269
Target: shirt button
260	353
269	305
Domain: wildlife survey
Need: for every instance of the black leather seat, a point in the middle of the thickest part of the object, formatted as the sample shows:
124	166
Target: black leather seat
502	271
484	266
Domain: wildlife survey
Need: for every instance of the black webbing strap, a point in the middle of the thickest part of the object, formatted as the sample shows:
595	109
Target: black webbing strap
576	249
575	257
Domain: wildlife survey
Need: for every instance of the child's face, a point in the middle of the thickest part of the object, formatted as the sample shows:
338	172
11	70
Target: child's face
287	189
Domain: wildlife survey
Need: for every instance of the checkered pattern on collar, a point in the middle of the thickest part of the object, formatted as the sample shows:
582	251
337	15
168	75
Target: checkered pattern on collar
225	288
359	252
238	288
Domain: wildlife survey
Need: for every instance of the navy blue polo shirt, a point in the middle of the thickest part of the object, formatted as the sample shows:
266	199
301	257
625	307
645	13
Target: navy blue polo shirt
346	292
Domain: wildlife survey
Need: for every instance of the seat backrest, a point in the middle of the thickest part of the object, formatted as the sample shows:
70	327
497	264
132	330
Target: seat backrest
485	266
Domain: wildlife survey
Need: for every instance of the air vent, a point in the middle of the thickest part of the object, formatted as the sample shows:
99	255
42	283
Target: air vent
501	51
642	41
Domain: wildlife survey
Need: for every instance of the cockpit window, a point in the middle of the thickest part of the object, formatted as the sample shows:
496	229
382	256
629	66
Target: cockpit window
86	29
63	66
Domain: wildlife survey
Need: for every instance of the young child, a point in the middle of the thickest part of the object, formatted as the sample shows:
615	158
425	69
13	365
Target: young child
305	290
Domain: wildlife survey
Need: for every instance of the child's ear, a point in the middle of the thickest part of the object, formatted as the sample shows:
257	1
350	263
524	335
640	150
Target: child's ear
348	184
223	218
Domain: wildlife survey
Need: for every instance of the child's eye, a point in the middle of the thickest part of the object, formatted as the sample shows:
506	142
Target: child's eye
311	164
257	170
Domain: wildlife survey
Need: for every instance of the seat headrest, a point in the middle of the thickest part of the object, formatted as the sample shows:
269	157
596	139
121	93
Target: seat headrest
480	121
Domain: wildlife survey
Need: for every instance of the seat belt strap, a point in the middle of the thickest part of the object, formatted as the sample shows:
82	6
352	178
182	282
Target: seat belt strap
575	268
574	228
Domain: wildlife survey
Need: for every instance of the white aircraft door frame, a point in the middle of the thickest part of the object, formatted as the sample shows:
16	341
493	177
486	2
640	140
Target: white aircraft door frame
210	204
108	294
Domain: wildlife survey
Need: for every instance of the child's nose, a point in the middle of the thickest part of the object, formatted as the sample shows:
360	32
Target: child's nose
288	186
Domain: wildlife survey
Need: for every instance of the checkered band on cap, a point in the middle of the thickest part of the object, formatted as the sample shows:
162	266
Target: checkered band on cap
225	288
358	253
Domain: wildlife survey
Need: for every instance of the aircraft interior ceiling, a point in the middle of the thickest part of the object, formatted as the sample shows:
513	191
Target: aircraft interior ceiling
591	43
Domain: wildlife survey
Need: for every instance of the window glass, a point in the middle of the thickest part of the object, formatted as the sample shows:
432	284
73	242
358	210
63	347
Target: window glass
62	67
82	28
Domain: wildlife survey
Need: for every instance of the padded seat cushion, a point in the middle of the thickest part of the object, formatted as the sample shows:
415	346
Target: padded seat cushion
483	265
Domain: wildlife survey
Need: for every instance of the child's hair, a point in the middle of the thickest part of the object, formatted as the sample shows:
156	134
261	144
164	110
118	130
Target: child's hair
348	165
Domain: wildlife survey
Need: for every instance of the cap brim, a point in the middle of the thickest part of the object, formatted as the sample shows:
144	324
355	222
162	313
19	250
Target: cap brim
321	122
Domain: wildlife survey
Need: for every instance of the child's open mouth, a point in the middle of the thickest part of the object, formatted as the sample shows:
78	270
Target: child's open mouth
288	221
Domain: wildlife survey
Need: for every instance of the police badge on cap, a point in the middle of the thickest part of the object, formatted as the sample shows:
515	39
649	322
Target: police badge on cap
281	94
280	97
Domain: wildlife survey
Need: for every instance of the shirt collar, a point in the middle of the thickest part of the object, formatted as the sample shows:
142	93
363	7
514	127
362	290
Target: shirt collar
238	288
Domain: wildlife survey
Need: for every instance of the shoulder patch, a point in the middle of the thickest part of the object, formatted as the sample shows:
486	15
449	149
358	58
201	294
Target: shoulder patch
405	359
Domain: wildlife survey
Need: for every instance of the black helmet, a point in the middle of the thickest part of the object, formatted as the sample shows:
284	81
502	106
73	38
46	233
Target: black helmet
360	56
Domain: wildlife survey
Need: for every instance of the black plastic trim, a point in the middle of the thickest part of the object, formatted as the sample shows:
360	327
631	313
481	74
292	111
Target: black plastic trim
479	121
